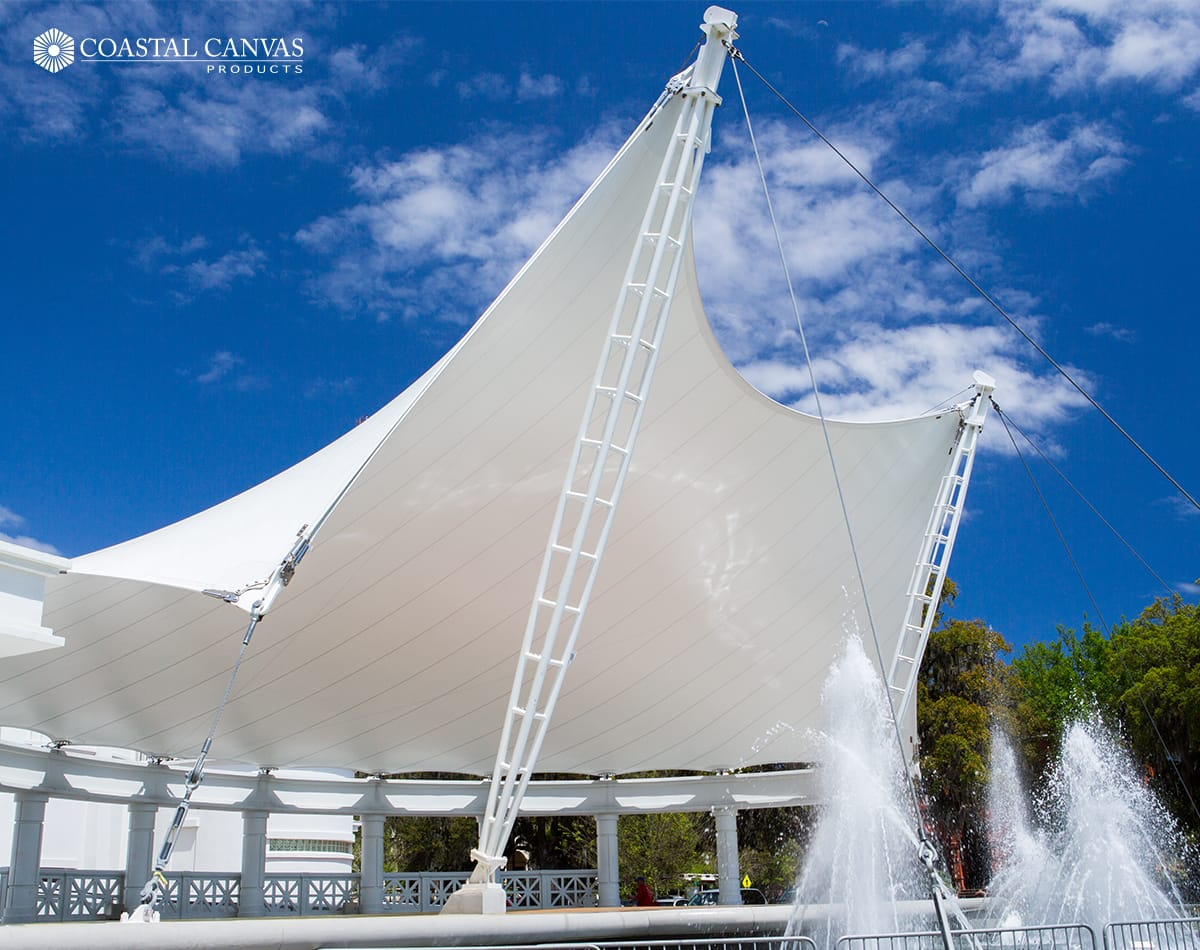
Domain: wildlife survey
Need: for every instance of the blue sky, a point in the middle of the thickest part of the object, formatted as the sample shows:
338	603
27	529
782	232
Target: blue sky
207	277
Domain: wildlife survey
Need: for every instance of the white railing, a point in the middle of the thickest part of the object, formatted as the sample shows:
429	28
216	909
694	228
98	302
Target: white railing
98	895
80	895
299	895
190	895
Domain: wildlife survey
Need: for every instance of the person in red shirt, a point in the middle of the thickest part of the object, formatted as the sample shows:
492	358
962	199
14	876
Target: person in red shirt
645	896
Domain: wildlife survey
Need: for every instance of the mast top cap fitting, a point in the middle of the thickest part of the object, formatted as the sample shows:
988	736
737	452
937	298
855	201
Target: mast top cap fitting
719	16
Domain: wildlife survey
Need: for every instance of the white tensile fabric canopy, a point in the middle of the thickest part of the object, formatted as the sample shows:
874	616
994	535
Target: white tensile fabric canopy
726	589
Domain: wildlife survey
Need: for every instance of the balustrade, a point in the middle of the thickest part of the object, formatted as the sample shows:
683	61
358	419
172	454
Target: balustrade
97	895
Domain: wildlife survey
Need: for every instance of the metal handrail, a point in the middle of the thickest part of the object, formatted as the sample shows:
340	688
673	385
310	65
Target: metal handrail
1179	933
1044	937
798	942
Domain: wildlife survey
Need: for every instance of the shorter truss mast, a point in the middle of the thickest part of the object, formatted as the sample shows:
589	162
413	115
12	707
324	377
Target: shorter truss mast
929	573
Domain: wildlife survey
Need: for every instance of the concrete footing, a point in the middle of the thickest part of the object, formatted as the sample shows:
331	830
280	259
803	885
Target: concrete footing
474	898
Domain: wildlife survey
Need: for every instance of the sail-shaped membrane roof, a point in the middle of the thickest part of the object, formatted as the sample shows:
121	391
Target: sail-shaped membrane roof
727	586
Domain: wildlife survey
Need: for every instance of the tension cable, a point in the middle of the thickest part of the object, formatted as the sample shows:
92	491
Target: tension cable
925	850
1096	607
736	56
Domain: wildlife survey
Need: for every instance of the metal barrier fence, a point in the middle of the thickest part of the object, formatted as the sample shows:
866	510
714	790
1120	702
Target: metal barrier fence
1058	937
98	895
713	943
1181	934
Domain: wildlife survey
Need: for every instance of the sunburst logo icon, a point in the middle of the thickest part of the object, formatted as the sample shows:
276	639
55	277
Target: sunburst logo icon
54	50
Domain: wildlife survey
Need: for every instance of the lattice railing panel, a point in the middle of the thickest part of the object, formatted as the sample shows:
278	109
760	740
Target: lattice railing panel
282	895
441	886
402	893
329	894
578	889
524	889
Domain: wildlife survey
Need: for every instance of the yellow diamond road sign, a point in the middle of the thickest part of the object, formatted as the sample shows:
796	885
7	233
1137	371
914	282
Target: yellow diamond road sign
746	881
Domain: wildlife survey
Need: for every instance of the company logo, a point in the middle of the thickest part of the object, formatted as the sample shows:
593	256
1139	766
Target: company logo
53	50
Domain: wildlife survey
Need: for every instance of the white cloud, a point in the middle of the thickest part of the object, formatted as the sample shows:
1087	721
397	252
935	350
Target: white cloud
1038	162
322	387
223	123
225	368
538	87
873	64
361	69
891	330
1077	45
475	210
1120	334
183	114
219	366
484	85
200	273
1183	509
218	274
9	519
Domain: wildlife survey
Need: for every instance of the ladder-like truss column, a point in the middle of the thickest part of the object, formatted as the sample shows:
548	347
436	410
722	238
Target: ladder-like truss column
929	572
600	459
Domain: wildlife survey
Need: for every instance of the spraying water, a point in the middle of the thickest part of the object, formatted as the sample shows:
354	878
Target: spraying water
862	858
1096	852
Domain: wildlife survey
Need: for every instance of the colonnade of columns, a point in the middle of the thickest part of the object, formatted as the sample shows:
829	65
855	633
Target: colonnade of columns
20	900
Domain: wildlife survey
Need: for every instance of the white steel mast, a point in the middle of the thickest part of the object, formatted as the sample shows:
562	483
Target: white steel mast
929	572
599	461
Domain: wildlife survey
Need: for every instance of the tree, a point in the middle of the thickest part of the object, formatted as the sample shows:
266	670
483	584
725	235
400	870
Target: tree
555	842
662	848
1157	666
1144	682
1052	684
771	844
961	682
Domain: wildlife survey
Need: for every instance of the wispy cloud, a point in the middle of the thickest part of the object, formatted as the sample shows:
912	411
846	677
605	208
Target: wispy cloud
1181	508
226	368
185	115
10	521
1112	331
1040	162
892	335
1074	46
198	273
220	365
873	64
485	85
527	87
474	211
324	388
219	273
547	86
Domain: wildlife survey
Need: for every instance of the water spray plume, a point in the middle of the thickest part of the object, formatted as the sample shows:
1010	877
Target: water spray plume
1097	847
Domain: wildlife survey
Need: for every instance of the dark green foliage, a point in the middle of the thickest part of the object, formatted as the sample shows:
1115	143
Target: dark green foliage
561	843
662	848
961	683
1146	677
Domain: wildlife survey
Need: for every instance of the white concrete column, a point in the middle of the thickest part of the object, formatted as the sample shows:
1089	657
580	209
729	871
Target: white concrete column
608	871
254	864
139	850
370	888
729	876
24	868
